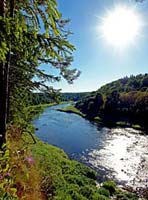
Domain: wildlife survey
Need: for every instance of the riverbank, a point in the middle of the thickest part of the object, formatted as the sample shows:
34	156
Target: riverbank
63	178
71	109
41	171
99	121
73	180
36	110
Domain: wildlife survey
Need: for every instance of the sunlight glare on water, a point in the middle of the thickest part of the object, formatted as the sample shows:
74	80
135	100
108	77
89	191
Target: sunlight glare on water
125	156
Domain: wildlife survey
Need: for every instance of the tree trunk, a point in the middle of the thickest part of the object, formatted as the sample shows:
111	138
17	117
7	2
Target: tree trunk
2	105
2	87
7	76
4	79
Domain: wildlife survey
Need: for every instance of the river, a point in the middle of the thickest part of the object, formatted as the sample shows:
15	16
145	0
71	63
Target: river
117	153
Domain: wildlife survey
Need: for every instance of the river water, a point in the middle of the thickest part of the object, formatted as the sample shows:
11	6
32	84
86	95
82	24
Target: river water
117	153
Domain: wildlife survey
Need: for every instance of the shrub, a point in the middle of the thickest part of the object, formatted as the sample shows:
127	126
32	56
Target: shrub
126	196
87	191
110	186
73	179
104	192
91	174
97	196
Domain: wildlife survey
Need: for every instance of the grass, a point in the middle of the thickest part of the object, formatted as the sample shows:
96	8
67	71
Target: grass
127	124
42	105
98	120
122	123
19	173
136	126
36	110
46	105
41	171
71	109
62	178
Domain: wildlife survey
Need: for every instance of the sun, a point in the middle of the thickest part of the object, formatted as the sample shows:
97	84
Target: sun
121	27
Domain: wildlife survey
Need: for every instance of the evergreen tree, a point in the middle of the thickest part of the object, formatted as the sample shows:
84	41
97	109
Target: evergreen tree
32	32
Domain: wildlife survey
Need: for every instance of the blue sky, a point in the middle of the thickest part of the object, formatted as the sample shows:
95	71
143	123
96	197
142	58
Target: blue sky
99	62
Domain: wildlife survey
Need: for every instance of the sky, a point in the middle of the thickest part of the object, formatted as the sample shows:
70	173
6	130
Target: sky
99	62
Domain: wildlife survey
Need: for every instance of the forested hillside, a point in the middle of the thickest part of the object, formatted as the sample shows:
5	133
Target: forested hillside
121	101
127	84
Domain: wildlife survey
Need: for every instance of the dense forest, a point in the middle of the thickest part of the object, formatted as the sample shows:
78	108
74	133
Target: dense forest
45	98
75	96
124	100
127	84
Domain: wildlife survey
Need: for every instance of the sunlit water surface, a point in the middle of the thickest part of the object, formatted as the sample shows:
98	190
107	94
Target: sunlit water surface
118	153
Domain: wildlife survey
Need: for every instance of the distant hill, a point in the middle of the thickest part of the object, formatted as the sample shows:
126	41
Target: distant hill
75	96
45	98
121	101
127	84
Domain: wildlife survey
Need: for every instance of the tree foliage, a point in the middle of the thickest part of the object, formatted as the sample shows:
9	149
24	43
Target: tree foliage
123	100
32	33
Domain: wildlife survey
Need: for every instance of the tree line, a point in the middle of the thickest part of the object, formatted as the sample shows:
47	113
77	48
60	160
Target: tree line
123	100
